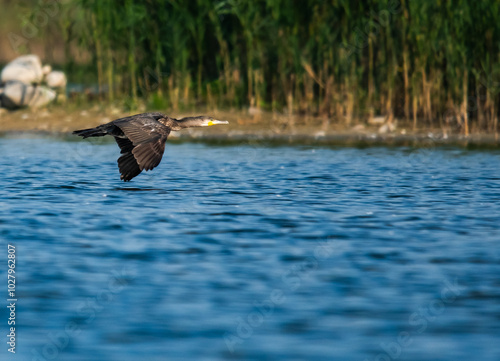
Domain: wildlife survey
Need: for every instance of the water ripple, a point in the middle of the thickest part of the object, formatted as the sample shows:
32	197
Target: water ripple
290	253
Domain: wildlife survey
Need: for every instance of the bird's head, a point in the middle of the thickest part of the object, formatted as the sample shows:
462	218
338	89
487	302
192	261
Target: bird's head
208	121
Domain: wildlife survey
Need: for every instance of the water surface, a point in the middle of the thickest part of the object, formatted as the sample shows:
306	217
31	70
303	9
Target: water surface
253	253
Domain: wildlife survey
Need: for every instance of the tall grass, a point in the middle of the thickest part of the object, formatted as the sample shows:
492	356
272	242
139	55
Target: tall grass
429	62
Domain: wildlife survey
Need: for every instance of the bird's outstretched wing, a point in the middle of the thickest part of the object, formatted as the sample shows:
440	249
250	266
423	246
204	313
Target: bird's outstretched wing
144	148
127	164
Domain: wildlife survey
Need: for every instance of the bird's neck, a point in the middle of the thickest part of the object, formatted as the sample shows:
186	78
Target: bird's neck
188	122
172	123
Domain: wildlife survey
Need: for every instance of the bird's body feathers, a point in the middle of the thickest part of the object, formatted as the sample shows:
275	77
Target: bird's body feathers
142	138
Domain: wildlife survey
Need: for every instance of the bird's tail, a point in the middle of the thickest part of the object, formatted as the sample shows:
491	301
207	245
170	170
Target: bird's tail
91	132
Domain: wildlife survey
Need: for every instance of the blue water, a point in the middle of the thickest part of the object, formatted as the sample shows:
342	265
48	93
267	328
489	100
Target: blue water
252	253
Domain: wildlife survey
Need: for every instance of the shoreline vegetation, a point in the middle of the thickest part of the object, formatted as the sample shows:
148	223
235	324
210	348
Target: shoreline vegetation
377	69
263	128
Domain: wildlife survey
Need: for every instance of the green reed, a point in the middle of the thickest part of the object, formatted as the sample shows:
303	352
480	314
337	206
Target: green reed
431	63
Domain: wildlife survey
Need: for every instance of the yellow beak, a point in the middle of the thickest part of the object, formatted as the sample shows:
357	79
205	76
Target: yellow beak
215	122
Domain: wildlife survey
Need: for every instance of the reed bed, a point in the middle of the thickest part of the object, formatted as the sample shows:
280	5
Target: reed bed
429	63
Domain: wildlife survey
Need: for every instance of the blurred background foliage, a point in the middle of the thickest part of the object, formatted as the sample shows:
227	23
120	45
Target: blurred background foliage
428	62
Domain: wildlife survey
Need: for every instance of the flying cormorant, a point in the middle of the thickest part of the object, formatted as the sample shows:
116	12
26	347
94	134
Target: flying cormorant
142	138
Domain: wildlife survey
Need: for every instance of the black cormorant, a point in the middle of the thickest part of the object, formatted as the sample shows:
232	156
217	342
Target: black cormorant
142	138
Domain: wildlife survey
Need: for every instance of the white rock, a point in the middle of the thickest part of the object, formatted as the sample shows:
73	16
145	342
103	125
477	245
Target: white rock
377	120
387	128
384	129
46	70
56	79
26	69
17	94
